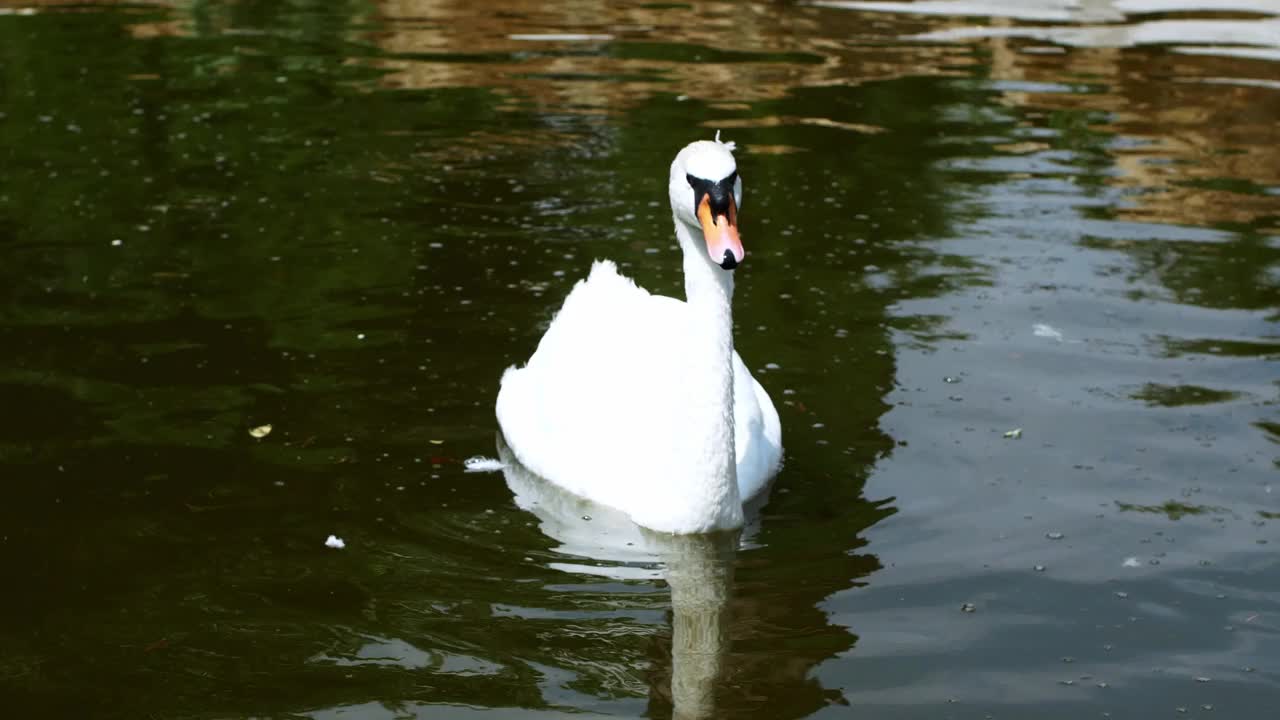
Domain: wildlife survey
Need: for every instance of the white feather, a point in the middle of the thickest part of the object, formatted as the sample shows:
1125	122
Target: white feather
479	464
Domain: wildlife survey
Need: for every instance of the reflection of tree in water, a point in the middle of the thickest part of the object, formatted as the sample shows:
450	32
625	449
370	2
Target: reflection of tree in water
1189	141
150	554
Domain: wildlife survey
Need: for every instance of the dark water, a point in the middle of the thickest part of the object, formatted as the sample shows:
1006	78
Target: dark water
345	219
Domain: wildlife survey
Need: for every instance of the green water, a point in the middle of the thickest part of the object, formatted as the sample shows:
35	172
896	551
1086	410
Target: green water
346	219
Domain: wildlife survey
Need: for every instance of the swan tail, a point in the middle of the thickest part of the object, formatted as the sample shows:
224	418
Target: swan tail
594	302
604	275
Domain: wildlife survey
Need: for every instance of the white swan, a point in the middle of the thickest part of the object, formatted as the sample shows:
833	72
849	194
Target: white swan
638	401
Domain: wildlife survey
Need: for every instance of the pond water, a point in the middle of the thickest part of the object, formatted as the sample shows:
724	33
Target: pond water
1012	282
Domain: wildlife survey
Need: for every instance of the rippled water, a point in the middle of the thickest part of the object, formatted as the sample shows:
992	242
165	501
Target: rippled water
1012	280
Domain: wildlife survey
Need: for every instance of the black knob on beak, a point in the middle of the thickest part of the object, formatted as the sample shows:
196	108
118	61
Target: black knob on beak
729	261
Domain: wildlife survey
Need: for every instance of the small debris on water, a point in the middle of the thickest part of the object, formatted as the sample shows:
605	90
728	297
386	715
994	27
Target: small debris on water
1014	434
335	542
1202	679
587	518
1121	594
1131	562
968	607
261	431
950	380
1046	331
1054	535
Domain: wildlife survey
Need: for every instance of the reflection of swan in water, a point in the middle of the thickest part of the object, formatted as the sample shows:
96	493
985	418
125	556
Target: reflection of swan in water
698	569
700	573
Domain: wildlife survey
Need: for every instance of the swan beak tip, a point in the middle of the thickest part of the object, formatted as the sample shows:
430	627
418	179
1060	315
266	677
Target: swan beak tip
720	230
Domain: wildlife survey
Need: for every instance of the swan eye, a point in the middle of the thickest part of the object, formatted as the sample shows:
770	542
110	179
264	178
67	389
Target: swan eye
698	183
721	193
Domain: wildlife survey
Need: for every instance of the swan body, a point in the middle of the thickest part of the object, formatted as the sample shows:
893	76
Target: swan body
638	401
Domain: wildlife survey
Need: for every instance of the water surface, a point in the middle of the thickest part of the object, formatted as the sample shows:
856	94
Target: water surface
1012	283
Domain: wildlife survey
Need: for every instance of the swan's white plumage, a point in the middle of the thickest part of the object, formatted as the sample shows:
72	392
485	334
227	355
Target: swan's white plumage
618	404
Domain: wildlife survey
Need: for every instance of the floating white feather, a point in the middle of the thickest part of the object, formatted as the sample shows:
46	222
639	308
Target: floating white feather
479	464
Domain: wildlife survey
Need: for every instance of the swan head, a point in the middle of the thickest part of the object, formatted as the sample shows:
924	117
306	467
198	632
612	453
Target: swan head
706	193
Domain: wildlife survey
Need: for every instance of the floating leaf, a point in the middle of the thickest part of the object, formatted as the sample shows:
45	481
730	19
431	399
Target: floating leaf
261	431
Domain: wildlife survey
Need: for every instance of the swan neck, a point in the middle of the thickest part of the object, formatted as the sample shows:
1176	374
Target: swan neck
706	286
709	294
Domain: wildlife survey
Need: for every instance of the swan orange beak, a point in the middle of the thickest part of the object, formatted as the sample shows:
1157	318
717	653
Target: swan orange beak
720	230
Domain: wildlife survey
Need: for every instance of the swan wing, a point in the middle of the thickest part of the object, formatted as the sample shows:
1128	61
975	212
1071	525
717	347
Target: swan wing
593	406
757	436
